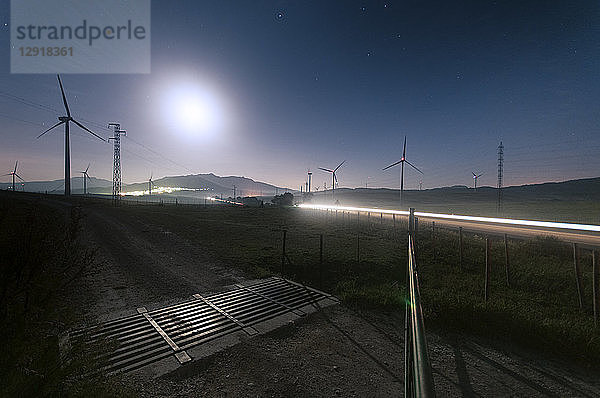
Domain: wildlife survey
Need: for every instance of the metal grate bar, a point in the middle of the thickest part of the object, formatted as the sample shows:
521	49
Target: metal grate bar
250	330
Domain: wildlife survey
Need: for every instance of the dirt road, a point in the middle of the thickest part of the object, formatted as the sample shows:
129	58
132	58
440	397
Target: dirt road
336	352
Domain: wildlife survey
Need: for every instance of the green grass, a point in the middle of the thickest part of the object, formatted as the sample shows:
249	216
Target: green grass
539	310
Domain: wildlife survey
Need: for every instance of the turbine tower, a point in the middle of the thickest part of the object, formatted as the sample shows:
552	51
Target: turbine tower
150	185
14	174
66	120
309	179
401	163
500	175
117	184
333	177
475	177
85	177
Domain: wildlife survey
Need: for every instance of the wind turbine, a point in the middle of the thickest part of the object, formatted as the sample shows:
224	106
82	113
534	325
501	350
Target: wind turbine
65	120
85	177
333	177
14	174
401	163
475	177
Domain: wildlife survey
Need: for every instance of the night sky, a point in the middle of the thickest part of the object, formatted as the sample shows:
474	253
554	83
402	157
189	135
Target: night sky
298	85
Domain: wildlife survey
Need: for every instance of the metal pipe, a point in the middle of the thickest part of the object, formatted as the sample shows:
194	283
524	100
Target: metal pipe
421	379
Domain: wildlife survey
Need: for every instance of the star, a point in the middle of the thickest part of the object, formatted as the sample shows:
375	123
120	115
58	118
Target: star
279	15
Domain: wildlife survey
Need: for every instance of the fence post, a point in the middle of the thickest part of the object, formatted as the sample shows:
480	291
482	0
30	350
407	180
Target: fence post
507	261
283	252
381	218
595	286
411	223
394	217
578	275
321	261
358	219
433	239
487	268
358	248
460	247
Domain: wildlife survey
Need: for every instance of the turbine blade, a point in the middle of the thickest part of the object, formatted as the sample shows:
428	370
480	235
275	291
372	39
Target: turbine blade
404	150
474	175
327	170
63	96
87	168
19	177
393	164
335	177
16	163
88	130
413	166
339	165
56	125
7	174
479	175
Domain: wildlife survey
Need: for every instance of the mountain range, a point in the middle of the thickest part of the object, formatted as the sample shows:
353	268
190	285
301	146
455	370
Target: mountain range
581	189
210	182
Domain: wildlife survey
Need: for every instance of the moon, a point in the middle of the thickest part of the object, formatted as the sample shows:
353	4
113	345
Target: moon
194	109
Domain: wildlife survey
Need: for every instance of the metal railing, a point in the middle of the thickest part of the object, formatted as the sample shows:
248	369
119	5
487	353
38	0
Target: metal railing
418	378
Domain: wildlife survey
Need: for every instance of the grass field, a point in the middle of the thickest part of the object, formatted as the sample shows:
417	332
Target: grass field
365	264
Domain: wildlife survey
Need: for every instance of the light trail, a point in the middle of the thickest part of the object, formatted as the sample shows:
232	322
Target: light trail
489	220
215	199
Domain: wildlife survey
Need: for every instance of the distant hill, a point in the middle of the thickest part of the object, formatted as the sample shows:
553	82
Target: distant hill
574	200
573	190
57	186
213	183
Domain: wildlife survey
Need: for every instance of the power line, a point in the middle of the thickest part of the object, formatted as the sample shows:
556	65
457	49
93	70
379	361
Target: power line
160	154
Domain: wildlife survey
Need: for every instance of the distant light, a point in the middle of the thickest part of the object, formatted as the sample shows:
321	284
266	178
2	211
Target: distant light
493	220
161	190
